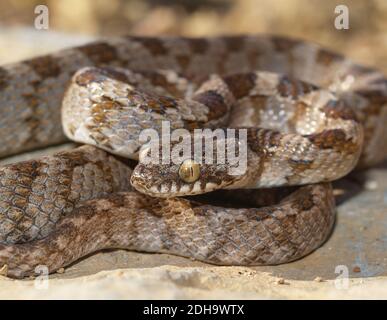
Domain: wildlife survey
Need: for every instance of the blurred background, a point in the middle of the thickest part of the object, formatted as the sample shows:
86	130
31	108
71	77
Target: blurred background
77	21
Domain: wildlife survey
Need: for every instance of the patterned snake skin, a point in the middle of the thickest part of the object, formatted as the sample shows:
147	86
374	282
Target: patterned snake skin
59	208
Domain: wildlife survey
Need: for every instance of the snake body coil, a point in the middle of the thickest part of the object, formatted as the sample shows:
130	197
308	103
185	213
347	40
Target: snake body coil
308	131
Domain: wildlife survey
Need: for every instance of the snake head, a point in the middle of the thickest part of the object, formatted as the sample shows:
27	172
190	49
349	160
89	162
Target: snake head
182	175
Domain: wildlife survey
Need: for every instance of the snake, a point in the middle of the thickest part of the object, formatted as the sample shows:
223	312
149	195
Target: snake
302	115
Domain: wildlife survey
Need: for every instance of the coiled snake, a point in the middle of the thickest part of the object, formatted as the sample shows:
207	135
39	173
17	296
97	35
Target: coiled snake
310	116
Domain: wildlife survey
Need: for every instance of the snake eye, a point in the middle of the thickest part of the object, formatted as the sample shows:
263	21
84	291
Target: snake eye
189	171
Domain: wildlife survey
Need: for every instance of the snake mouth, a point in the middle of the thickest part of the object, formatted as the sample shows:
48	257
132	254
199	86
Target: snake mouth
171	189
154	192
163	190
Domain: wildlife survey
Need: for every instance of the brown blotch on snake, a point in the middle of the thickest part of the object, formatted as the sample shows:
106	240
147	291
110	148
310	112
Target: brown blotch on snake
334	139
154	45
3	78
284	44
327	57
215	102
99	52
234	43
45	67
198	46
336	110
241	84
291	87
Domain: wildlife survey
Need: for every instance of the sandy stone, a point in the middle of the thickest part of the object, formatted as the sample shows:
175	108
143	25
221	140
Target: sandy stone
4	270
371	185
281	281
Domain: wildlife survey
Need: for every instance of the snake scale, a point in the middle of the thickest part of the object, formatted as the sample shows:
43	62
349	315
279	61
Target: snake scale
310	117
